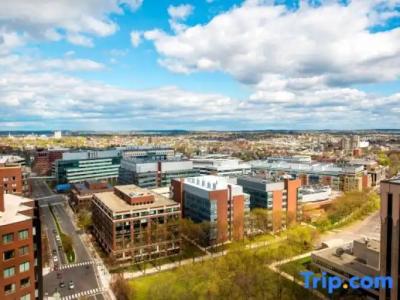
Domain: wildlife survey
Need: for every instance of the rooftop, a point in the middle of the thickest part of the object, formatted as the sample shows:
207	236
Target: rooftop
14	207
7	159
394	180
117	204
213	183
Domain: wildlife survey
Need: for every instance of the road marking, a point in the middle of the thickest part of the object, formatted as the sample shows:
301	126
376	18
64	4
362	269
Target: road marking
85	263
91	292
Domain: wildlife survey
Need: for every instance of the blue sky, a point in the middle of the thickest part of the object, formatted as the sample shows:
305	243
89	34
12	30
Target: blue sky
199	64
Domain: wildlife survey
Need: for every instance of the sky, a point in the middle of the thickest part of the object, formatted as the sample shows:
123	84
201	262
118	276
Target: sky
199	65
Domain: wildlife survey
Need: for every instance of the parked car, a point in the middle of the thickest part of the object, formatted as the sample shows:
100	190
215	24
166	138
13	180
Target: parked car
71	285
55	258
62	284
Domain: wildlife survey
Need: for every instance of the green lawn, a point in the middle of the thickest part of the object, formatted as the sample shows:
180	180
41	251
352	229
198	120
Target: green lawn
143	284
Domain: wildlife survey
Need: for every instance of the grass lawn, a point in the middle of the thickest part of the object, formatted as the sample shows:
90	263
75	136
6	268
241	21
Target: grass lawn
143	284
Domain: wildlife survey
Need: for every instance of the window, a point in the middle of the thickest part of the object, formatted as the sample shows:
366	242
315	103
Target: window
26	297
8	238
23	250
8	272
24	267
8	254
25	282
23	234
9	288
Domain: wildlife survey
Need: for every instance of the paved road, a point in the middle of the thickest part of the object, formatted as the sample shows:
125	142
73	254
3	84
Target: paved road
369	227
82	273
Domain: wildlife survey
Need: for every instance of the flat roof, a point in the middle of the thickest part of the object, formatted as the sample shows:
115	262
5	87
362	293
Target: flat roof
394	180
116	204
14	205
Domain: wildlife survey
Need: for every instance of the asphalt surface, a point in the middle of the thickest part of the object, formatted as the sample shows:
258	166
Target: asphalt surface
82	272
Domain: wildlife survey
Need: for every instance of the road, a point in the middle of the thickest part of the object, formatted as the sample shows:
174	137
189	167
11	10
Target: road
369	227
82	273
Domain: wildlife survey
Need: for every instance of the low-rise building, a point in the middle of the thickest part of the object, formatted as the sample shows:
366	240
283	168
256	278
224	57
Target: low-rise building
211	165
134	224
215	200
81	194
87	165
281	198
44	159
147	152
149	173
359	258
20	248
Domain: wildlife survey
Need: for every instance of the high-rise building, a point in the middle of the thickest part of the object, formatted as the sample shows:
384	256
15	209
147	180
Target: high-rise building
87	165
151	173
390	236
131	223
281	198
215	200
20	249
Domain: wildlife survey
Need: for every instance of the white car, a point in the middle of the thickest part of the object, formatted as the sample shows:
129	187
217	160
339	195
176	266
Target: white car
55	258
71	285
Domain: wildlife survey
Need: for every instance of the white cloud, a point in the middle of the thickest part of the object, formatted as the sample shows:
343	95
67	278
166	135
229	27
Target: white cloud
75	20
178	14
136	38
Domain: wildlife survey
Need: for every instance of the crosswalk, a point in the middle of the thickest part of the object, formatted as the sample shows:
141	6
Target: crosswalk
85	263
84	294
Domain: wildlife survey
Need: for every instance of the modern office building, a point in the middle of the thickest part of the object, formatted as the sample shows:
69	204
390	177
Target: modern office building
359	258
215	200
390	236
44	159
87	165
81	194
145	152
339	177
134	224
20	249
376	172
150	173
281	198
211	165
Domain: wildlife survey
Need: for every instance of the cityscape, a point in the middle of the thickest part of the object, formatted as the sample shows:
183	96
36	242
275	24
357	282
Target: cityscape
205	149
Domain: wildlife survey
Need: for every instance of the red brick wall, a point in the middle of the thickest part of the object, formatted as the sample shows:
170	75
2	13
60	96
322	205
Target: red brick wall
277	210
222	213
17	260
291	187
238	217
177	192
8	173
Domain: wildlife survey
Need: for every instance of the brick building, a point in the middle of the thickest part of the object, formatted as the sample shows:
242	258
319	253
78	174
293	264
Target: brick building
44	159
20	261
281	198
81	194
134	224
11	179
213	199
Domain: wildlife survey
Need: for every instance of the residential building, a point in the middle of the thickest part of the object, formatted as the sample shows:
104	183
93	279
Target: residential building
134	224
154	173
211	165
20	247
359	258
44	159
81	194
281	198
339	177
87	165
390	236
215	200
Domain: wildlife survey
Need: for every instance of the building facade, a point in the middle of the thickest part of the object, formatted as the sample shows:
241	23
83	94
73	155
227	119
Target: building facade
390	236
44	159
220	166
87	165
281	198
20	249
144	152
81	194
134	224
213	199
152	173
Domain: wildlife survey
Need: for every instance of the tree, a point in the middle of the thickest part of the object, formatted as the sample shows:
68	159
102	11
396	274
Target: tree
122	289
85	219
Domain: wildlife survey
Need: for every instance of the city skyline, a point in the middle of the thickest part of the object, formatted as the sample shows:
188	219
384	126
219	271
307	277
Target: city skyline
199	65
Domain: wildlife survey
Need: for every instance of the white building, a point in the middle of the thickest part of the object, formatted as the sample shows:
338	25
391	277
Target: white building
221	166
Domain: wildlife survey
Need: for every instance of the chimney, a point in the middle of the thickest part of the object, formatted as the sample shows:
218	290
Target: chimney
2	208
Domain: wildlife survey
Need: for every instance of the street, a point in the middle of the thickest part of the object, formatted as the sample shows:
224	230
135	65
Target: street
82	272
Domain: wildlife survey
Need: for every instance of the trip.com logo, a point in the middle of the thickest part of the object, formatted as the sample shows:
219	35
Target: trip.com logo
332	283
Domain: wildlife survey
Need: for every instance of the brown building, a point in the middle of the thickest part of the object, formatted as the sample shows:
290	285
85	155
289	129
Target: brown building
132	223
281	198
390	236
44	160
213	199
11	179
81	194
20	261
